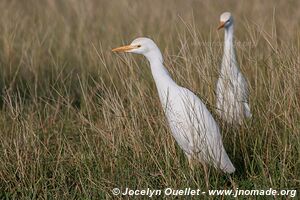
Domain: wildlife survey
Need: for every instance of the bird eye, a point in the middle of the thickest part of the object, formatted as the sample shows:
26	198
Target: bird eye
139	46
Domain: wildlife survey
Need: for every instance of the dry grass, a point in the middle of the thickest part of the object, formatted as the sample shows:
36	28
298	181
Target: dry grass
77	120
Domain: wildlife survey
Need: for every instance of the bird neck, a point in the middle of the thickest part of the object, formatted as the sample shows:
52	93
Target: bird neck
160	74
229	60
228	37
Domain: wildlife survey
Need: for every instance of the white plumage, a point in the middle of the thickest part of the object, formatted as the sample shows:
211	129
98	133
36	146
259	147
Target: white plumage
232	87
192	125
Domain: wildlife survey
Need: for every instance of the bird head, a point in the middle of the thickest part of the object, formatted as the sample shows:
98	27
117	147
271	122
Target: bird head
142	45
226	20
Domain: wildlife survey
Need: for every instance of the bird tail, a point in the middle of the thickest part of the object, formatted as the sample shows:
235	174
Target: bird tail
226	164
223	162
247	110
228	168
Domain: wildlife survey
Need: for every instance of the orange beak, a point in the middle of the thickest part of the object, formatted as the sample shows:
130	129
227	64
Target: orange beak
222	24
124	48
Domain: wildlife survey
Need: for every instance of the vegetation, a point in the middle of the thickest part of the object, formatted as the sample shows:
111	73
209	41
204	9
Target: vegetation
77	120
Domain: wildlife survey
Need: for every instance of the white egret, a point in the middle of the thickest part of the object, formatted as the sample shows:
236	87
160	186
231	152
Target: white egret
232	88
192	125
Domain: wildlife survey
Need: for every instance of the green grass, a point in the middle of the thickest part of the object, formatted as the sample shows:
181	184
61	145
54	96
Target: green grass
77	120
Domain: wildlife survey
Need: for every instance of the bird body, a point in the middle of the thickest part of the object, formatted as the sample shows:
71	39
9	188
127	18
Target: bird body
232	88
191	124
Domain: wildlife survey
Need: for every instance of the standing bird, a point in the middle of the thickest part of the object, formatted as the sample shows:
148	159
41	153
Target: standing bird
232	88
192	125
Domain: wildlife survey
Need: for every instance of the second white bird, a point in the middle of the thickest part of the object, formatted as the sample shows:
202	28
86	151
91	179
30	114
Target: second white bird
232	88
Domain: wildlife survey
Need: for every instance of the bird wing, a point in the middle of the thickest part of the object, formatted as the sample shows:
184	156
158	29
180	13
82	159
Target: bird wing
195	130
244	95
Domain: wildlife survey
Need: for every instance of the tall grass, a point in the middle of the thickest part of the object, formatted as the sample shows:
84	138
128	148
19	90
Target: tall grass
77	120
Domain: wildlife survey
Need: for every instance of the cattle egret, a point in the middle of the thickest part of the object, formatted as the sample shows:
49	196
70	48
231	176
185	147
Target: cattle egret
232	88
192	125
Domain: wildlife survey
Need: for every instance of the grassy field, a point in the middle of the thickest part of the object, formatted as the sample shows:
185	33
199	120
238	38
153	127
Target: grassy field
77	120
